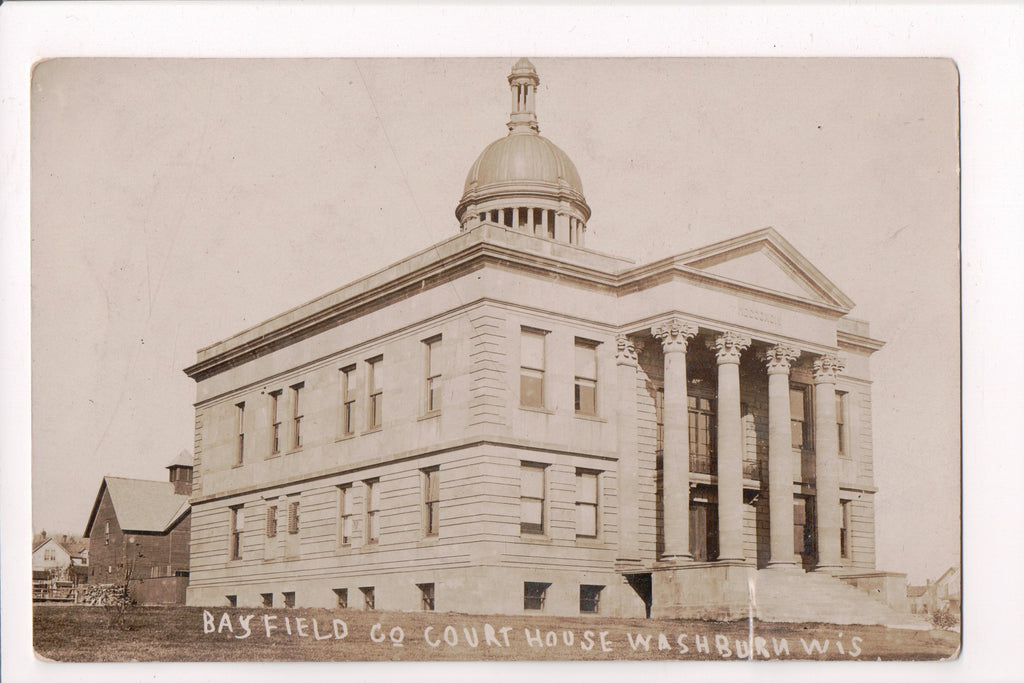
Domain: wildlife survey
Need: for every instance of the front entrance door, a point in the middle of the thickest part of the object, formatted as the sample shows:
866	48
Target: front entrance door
703	531
803	532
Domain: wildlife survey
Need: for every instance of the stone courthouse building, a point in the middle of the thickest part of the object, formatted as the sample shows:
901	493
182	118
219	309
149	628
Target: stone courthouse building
511	422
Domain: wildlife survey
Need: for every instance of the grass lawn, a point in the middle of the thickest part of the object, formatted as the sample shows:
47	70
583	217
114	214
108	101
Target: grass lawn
82	634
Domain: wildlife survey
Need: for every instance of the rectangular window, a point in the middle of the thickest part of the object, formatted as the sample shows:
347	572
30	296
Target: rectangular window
431	500
240	431
271	521
590	599
586	377
372	510
289	599
375	380
275	422
433	386
533	595
369	600
844	529
659	419
106	533
296	416
531	498
342	594
701	420
586	504
348	400
268	599
531	373
841	420
346	512
427	594
800	416
237	526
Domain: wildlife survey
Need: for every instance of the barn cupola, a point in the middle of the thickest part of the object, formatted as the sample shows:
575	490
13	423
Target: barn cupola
523	181
180	473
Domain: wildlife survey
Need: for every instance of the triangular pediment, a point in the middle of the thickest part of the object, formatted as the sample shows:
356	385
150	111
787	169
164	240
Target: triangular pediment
765	260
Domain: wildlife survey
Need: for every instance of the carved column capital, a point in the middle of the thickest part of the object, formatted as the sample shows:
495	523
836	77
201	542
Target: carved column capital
779	358
674	334
625	351
827	367
729	345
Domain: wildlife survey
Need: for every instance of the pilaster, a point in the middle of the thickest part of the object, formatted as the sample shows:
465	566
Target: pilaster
627	437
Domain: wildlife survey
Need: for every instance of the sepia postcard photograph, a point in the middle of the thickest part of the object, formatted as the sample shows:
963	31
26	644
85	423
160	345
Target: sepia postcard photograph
495	358
535	357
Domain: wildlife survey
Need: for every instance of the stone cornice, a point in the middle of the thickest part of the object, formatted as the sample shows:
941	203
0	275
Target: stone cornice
465	252
857	341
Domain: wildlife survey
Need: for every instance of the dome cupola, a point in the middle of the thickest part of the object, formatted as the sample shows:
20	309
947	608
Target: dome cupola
523	181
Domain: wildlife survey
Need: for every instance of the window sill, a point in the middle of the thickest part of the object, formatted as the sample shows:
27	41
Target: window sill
294	450
237	465
535	409
429	416
345	437
535	538
428	541
588	542
589	418
372	430
273	456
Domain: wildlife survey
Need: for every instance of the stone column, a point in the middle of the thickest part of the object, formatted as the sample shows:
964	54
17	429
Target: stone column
626	430
562	224
674	335
780	456
729	346
826	462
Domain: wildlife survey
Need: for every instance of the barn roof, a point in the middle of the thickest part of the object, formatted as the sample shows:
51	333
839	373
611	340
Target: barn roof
141	504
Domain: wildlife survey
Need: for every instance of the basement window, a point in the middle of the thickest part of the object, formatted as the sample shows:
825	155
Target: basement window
369	599
427	591
590	599
533	595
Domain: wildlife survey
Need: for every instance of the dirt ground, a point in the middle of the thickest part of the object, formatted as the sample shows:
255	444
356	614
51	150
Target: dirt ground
71	633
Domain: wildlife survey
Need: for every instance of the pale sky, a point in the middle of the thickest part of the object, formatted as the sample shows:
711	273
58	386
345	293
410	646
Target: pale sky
178	202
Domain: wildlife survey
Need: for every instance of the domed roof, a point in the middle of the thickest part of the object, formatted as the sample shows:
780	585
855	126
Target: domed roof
523	158
522	170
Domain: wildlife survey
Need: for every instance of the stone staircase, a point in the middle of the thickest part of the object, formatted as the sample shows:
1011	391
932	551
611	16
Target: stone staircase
797	596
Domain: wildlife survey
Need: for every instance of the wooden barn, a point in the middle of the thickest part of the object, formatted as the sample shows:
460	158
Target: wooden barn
139	530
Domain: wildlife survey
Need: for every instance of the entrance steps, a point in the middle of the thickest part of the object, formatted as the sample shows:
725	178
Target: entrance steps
792	595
